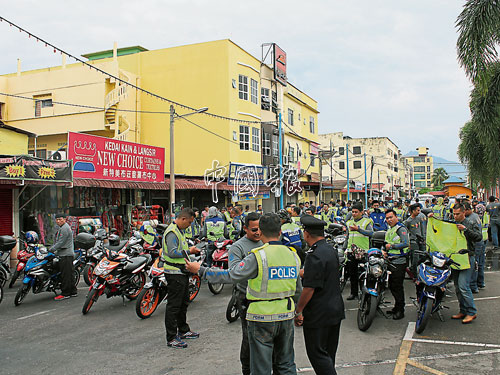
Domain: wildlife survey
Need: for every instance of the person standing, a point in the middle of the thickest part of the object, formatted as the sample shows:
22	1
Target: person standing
175	249
272	271
396	248
320	308
493	209
416	228
214	229
63	247
237	252
479	250
291	234
462	276
194	230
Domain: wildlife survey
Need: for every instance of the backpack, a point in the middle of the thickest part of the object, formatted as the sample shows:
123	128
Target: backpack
378	219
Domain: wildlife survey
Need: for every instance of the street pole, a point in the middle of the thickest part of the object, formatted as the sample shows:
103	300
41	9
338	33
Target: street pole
348	183
280	141
366	187
378	176
320	175
331	170
371	178
172	165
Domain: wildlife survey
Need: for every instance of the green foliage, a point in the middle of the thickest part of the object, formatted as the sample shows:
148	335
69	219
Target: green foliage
439	175
424	191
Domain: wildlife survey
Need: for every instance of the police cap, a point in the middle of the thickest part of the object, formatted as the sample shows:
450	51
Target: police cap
313	225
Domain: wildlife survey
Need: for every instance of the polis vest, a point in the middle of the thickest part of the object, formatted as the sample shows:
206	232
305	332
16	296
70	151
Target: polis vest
391	237
215	228
485	222
438	211
174	265
356	238
270	293
291	235
399	213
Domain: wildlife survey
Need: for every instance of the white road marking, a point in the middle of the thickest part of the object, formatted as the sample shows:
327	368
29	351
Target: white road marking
461	343
36	314
409	331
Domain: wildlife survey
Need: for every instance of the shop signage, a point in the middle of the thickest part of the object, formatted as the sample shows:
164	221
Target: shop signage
250	197
110	159
25	167
279	64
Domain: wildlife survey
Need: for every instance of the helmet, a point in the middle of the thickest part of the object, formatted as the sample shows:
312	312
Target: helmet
284	215
114	239
31	237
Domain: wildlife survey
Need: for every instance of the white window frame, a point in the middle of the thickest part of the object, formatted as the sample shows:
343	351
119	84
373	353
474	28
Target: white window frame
311	124
256	139
243	87
275	144
244	137
290	116
291	154
254	91
266	144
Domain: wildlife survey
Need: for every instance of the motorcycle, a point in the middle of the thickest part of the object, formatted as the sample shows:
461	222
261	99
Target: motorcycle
117	274
220	260
7	243
41	274
334	236
155	291
374	280
433	274
22	258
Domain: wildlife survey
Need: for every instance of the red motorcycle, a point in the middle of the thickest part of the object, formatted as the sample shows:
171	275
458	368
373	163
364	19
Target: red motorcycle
220	260
22	256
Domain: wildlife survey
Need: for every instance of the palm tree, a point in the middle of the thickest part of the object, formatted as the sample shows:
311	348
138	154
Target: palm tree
438	177
479	33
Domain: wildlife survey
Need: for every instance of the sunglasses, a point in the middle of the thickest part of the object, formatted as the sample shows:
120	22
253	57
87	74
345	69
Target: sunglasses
254	230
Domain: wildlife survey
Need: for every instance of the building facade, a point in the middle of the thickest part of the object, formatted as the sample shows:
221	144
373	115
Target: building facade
422	167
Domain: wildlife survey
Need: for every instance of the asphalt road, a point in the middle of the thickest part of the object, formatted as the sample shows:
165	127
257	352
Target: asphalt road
48	337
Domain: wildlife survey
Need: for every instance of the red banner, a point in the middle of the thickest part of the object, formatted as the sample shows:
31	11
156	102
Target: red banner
110	159
279	65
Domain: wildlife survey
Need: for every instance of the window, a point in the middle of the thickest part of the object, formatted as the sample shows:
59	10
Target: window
275	146
256	139
254	90
41	154
341	165
2	111
311	124
418	159
290	116
357	164
428	176
341	150
291	155
243	87
420	184
312	160
244	137
266	144
274	101
265	101
419	168
356	150
419	176
428	168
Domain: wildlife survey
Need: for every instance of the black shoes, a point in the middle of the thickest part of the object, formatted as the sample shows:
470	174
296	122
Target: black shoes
398	315
351	297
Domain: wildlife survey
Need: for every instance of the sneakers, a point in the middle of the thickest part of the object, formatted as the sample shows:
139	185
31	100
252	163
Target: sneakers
189	335
177	343
475	291
60	297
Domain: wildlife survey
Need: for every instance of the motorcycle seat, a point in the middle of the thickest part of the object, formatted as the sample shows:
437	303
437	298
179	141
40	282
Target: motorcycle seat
135	263
117	247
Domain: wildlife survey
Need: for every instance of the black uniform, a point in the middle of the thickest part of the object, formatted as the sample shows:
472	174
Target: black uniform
324	312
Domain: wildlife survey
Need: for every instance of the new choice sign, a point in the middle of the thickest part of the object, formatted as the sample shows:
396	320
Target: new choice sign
110	159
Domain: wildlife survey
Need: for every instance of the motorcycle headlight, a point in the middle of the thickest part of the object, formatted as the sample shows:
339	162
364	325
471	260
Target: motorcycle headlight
376	270
339	239
41	253
438	262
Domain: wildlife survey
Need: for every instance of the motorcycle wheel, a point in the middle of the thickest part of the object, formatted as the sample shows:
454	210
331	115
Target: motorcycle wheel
343	279
366	312
76	277
423	314
215	288
15	275
22	292
88	274
147	302
91	298
1	293
232	312
139	280
194	286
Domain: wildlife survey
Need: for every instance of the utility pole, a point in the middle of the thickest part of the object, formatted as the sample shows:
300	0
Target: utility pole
371	178
366	187
320	157
280	140
331	169
378	176
348	183
172	165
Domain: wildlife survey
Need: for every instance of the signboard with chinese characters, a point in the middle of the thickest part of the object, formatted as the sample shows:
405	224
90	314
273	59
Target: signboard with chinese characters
279	64
26	167
110	159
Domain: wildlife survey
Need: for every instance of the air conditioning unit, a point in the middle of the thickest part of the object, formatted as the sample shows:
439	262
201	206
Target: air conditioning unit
57	155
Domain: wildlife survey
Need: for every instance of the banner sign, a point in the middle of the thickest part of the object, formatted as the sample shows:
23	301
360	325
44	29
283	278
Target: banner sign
247	174
110	159
279	64
25	167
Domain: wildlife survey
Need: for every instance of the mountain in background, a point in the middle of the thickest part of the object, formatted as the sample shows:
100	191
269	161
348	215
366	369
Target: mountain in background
453	168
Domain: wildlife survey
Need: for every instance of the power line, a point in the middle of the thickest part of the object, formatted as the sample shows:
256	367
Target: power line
56	49
209	131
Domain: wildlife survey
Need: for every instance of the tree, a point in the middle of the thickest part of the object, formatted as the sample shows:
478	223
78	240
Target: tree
438	177
479	33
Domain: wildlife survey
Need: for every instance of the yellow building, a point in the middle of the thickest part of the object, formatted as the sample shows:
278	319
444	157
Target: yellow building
219	75
422	168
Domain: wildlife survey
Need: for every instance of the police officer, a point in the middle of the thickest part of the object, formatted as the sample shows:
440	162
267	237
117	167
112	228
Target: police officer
214	229
399	211
296	212
272	272
438	209
396	249
236	223
415	224
359	229
291	234
194	230
320	308
175	248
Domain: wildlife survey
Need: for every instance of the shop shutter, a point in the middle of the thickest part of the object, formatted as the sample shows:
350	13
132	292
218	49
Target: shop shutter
6	212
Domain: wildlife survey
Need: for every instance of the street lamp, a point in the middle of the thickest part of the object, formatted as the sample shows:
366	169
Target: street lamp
173	116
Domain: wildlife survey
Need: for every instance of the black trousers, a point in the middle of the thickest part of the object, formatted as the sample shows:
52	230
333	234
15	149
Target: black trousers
396	286
177	304
321	348
352	270
66	267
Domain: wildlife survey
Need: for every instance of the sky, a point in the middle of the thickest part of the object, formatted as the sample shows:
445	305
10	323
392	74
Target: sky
376	68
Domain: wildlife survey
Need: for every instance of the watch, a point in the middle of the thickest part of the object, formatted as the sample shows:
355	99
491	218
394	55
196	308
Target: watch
298	313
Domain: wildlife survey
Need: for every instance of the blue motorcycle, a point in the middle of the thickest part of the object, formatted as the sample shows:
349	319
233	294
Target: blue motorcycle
42	274
432	277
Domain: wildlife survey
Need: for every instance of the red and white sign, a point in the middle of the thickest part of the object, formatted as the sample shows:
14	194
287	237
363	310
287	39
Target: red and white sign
110	159
279	64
